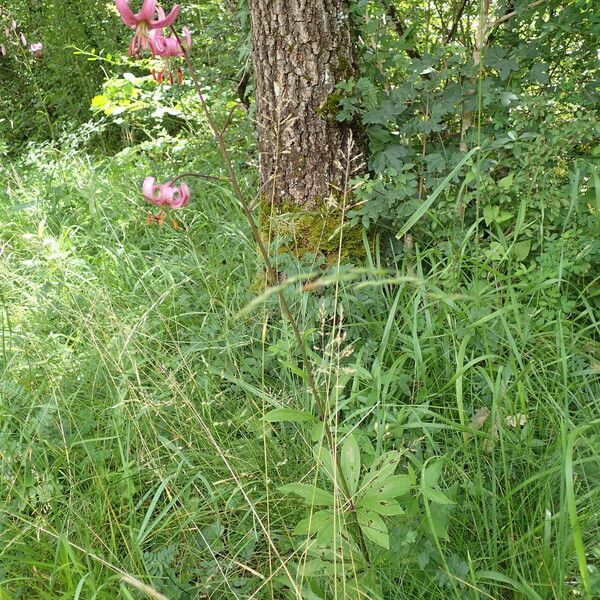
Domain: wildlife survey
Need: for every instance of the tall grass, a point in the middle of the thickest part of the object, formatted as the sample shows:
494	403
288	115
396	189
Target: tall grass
135	460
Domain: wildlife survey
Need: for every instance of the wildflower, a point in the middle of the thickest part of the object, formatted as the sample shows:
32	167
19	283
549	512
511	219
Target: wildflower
37	49
168	47
143	22
167	194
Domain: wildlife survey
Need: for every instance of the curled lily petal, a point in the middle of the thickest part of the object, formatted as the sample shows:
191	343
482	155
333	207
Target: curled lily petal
166	21
185	190
161	44
167	191
126	13
180	196
161	14
172	47
152	192
148	187
147	11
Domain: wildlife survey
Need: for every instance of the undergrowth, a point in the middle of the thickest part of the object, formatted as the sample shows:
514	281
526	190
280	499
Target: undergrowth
137	367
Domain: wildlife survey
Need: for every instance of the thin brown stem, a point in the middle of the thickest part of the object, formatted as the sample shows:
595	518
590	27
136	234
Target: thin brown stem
199	176
456	22
510	15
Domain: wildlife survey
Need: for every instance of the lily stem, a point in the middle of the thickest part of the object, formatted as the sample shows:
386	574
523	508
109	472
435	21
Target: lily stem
273	280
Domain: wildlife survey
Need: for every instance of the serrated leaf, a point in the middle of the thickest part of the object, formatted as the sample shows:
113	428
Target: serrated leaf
350	459
390	157
374	528
539	73
313	496
279	415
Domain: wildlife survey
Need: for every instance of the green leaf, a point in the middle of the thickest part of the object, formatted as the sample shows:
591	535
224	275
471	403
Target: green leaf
521	249
100	101
312	495
373	527
382	506
490	213
390	487
382	468
279	415
432	198
506	182
350	459
436	496
390	157
539	73
432	473
314	523
439	520
317	431
523	588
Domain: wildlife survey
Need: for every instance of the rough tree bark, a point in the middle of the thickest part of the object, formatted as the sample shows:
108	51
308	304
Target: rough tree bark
301	50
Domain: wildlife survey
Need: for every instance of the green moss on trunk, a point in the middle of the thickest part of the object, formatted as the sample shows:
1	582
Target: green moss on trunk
315	231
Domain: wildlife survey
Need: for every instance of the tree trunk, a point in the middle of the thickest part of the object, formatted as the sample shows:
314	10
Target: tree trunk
301	50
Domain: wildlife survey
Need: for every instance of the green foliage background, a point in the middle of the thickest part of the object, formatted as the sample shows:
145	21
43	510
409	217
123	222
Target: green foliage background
154	421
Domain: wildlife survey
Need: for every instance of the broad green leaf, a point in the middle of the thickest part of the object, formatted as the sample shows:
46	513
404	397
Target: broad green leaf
506	182
490	213
312	495
432	472
439	520
279	415
373	526
521	249
382	506
382	468
100	101
539	73
390	487
314	523
317	431
350	459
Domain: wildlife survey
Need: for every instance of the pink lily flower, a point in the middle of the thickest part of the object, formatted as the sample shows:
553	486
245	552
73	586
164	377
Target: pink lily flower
143	22
169	47
165	194
37	49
